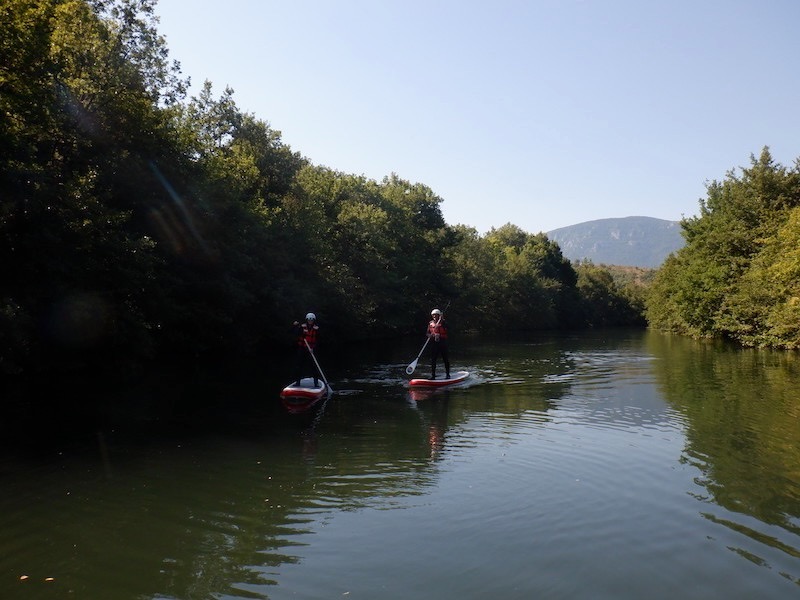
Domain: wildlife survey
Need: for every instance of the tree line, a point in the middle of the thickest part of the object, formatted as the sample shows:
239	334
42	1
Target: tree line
738	276
137	223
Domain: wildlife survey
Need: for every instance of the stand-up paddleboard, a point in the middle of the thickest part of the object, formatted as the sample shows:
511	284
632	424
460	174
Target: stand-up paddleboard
456	377
305	395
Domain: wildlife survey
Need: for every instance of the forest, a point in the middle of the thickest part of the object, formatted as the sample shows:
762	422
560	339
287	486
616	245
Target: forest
738	276
138	223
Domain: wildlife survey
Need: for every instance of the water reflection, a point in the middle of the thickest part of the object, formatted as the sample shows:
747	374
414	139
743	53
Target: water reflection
626	466
740	408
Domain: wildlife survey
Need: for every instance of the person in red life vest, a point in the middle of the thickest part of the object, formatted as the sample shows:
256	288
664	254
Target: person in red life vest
437	332
307	331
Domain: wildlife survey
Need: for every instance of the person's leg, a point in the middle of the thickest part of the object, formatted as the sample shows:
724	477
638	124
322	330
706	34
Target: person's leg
446	360
298	366
434	356
309	367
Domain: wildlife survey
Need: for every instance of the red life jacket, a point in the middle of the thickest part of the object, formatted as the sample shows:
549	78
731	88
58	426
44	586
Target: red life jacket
440	328
308	335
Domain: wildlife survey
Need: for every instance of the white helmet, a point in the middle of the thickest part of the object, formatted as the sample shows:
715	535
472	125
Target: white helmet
311	317
436	311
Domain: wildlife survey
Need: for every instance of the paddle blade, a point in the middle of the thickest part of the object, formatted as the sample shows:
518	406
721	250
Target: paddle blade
410	368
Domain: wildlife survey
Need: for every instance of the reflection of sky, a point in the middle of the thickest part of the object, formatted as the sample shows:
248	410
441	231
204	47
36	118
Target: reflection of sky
613	388
525	494
561	473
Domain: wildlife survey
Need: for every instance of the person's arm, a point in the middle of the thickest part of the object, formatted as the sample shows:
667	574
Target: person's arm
295	328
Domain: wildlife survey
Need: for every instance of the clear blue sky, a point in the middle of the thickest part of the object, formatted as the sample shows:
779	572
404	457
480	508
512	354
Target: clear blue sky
542	113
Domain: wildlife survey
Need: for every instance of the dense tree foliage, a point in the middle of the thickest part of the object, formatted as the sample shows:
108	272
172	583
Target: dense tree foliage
136	223
610	296
737	276
513	275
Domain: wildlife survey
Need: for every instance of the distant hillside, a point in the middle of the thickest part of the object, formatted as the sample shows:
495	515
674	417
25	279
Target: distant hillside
628	241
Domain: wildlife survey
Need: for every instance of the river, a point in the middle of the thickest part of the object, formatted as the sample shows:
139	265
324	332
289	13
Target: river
622	464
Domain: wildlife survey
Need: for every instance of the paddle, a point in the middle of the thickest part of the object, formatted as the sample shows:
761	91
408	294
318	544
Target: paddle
413	364
330	389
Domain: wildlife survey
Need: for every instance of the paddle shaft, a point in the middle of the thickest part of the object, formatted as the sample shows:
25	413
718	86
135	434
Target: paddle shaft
413	365
317	363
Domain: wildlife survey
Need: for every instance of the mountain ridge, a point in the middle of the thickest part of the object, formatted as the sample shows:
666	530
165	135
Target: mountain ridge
635	241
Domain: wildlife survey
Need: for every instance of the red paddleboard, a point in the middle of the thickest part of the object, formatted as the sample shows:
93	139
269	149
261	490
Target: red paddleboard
304	396
456	377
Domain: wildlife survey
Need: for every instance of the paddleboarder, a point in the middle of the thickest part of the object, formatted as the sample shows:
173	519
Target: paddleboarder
437	336
306	332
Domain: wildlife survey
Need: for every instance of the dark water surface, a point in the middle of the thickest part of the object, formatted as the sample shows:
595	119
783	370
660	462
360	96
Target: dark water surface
620	465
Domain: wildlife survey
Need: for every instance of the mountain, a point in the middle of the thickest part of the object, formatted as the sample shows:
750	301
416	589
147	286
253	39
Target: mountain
627	241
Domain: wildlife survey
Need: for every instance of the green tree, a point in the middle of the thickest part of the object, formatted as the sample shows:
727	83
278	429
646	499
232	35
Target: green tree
523	276
70	96
714	285
764	310
606	303
473	274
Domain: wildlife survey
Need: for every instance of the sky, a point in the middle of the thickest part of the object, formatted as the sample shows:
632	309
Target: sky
539	113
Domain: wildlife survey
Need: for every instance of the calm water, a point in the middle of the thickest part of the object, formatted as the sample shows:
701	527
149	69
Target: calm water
607	465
